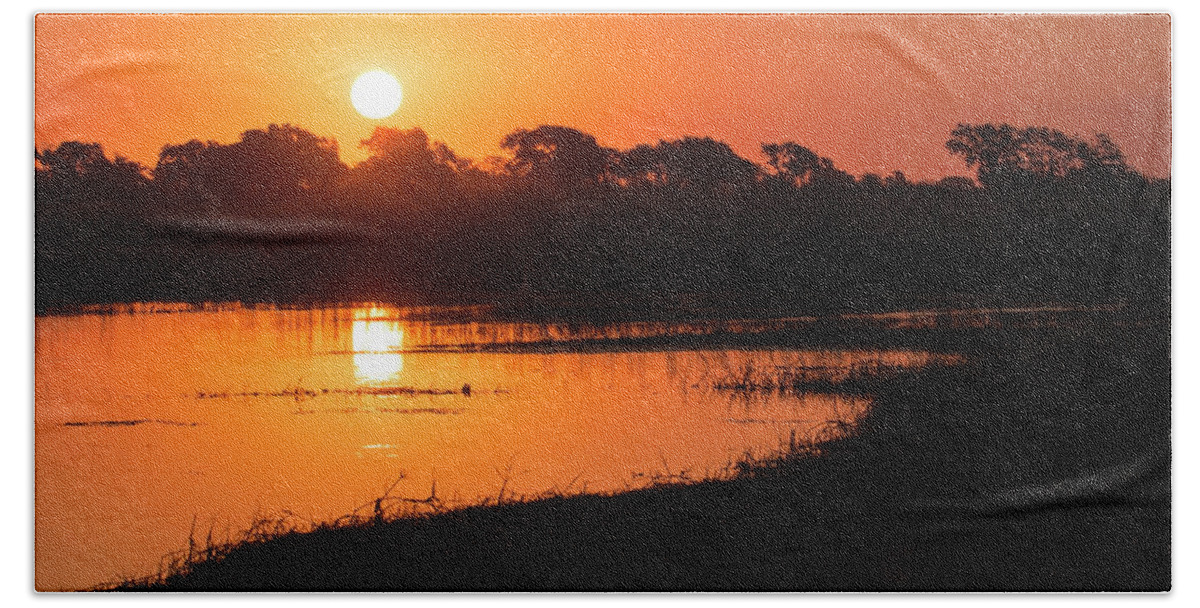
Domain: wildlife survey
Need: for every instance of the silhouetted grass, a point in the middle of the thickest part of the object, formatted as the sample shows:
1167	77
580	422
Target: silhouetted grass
298	393
111	423
866	377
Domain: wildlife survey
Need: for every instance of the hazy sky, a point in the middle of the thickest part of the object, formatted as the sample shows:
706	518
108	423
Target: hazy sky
874	93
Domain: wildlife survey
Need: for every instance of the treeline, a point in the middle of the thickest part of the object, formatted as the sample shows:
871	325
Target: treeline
562	223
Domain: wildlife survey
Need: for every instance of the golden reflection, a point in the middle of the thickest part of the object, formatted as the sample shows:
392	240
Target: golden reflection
376	342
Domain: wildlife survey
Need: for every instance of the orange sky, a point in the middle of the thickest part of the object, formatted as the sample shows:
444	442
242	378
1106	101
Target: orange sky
874	93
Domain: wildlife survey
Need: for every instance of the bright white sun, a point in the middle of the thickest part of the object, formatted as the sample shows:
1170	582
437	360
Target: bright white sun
376	94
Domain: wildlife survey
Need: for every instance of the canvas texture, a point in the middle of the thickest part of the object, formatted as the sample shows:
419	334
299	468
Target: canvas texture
606	302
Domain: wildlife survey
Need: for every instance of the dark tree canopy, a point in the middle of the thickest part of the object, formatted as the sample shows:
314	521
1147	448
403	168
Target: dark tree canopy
406	167
691	163
188	175
280	169
683	220
1003	154
793	162
557	158
82	178
75	164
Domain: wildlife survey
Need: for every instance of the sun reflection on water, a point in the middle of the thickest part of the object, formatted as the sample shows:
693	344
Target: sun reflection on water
376	340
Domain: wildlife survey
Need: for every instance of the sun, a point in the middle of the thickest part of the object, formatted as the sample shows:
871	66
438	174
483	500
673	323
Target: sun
376	94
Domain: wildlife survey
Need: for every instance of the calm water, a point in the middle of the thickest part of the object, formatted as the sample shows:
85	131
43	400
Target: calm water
146	421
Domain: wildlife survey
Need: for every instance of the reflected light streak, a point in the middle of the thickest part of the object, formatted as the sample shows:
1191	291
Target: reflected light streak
375	343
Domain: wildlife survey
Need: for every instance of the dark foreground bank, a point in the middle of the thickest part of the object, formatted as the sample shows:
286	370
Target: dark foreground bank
1041	464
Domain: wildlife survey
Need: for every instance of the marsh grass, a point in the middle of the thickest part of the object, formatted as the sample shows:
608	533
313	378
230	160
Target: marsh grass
299	393
376	513
139	421
267	528
388	509
866	377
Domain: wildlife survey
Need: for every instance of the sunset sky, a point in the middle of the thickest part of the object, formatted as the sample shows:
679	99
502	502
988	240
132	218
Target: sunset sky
874	93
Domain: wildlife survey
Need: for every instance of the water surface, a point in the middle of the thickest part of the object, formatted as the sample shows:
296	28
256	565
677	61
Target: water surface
159	420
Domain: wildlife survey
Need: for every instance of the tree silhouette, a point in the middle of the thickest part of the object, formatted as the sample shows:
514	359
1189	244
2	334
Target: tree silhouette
956	183
78	178
871	182
796	165
187	174
283	169
405	167
1006	157
897	180
89	224
558	160
77	172
684	218
688	164
792	162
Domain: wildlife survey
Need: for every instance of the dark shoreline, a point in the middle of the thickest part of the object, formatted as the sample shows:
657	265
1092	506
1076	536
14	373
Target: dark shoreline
1041	465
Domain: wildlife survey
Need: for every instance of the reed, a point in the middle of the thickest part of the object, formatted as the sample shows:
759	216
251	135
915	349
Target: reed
866	377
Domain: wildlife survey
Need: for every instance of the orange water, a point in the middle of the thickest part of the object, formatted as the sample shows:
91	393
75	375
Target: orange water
146	422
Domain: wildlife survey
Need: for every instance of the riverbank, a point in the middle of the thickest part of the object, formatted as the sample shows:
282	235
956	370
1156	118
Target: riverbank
1043	463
